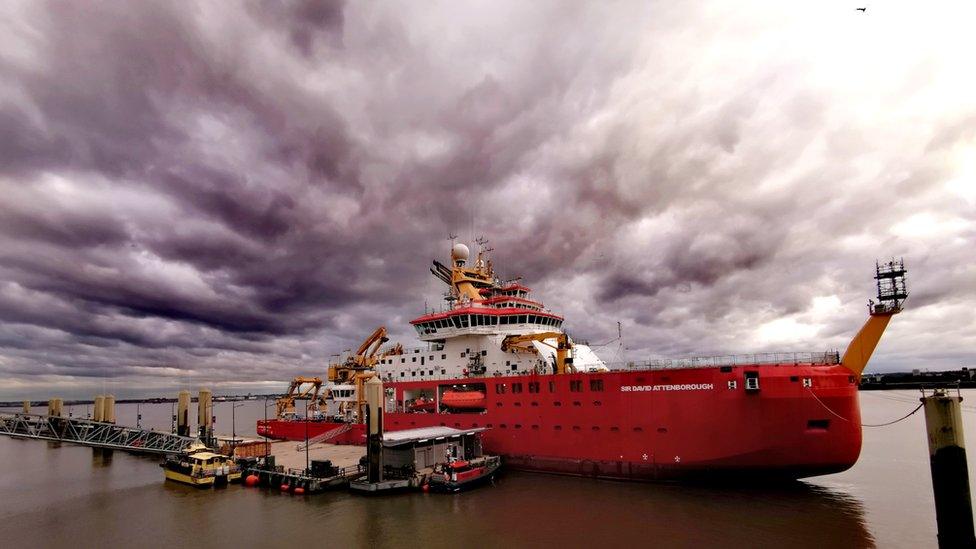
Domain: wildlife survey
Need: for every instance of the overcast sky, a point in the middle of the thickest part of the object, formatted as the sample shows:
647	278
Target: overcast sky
225	194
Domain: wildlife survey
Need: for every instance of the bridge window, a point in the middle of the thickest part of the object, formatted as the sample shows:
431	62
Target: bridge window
522	319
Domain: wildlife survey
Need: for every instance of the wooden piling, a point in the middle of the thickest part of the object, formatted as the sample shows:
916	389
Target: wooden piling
950	473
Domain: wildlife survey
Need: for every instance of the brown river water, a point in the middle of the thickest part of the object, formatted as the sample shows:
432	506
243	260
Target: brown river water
70	496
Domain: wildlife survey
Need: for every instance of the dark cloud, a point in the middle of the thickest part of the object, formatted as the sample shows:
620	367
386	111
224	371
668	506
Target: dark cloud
227	193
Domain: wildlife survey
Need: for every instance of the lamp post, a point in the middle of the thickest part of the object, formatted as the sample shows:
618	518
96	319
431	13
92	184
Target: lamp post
267	450
306	436
233	422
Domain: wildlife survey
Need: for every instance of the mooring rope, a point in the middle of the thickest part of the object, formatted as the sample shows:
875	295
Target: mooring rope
906	416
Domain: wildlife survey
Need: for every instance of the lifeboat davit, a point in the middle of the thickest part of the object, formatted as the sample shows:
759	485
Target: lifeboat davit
464	400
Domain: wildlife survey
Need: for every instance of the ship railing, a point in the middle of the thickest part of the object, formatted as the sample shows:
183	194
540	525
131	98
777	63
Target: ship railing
826	358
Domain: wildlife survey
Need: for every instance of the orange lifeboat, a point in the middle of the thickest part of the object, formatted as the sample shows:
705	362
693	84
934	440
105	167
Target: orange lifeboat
464	400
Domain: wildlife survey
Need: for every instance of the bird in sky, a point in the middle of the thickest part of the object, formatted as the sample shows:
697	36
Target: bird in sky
865	10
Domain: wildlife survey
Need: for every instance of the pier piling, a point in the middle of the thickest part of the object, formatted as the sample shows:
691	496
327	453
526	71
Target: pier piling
374	420
183	414
98	409
950	476
205	416
108	409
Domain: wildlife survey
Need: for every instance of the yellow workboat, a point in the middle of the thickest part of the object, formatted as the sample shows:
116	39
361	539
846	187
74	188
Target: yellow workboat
201	468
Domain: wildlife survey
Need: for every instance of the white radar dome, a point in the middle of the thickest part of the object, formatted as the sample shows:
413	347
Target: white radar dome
460	252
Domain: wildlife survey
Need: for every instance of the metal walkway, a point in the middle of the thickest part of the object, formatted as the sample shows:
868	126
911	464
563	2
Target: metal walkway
324	437
92	433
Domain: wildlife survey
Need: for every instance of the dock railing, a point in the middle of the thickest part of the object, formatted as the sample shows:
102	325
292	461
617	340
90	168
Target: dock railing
92	433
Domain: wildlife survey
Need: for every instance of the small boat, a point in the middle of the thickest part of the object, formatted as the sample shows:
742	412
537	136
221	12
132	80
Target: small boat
464	400
201	467
463	474
422	404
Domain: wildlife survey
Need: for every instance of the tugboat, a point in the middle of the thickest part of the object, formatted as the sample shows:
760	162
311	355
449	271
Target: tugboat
463	474
202	468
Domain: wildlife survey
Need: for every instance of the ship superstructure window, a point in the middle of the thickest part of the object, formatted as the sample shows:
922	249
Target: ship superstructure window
576	385
533	386
516	387
596	384
499	388
552	386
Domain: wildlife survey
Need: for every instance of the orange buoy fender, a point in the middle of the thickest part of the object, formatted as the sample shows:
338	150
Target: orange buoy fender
251	480
299	491
284	487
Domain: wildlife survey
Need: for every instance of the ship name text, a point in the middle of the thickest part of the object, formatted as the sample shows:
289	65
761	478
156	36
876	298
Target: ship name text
679	387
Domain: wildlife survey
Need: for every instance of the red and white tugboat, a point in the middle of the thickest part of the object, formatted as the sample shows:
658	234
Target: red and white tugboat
463	474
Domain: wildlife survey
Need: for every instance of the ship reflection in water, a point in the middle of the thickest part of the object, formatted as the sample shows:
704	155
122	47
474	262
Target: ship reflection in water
524	510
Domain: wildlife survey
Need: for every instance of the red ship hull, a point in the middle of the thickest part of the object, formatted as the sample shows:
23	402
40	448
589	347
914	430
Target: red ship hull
803	420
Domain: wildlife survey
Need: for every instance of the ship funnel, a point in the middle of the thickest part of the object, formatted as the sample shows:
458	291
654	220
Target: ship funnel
892	292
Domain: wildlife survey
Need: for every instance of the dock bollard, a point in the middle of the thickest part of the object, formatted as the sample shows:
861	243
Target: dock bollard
950	475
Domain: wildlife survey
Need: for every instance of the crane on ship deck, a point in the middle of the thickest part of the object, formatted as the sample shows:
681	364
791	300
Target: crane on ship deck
357	368
563	347
297	390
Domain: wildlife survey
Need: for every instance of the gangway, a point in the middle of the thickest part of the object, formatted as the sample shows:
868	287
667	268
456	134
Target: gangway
92	433
325	437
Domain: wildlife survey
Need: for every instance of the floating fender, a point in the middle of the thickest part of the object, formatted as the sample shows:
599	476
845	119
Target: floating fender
284	487
251	480
299	491
426	487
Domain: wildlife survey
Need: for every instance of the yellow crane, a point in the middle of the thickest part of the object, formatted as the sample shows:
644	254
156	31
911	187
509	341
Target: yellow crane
563	347
297	390
358	368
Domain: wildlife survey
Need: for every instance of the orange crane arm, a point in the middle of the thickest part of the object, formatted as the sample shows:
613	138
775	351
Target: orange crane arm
563	347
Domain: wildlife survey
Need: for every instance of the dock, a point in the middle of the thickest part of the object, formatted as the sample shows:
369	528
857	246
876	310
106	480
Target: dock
329	467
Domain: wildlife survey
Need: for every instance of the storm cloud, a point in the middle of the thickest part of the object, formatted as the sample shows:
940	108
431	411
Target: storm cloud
228	193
